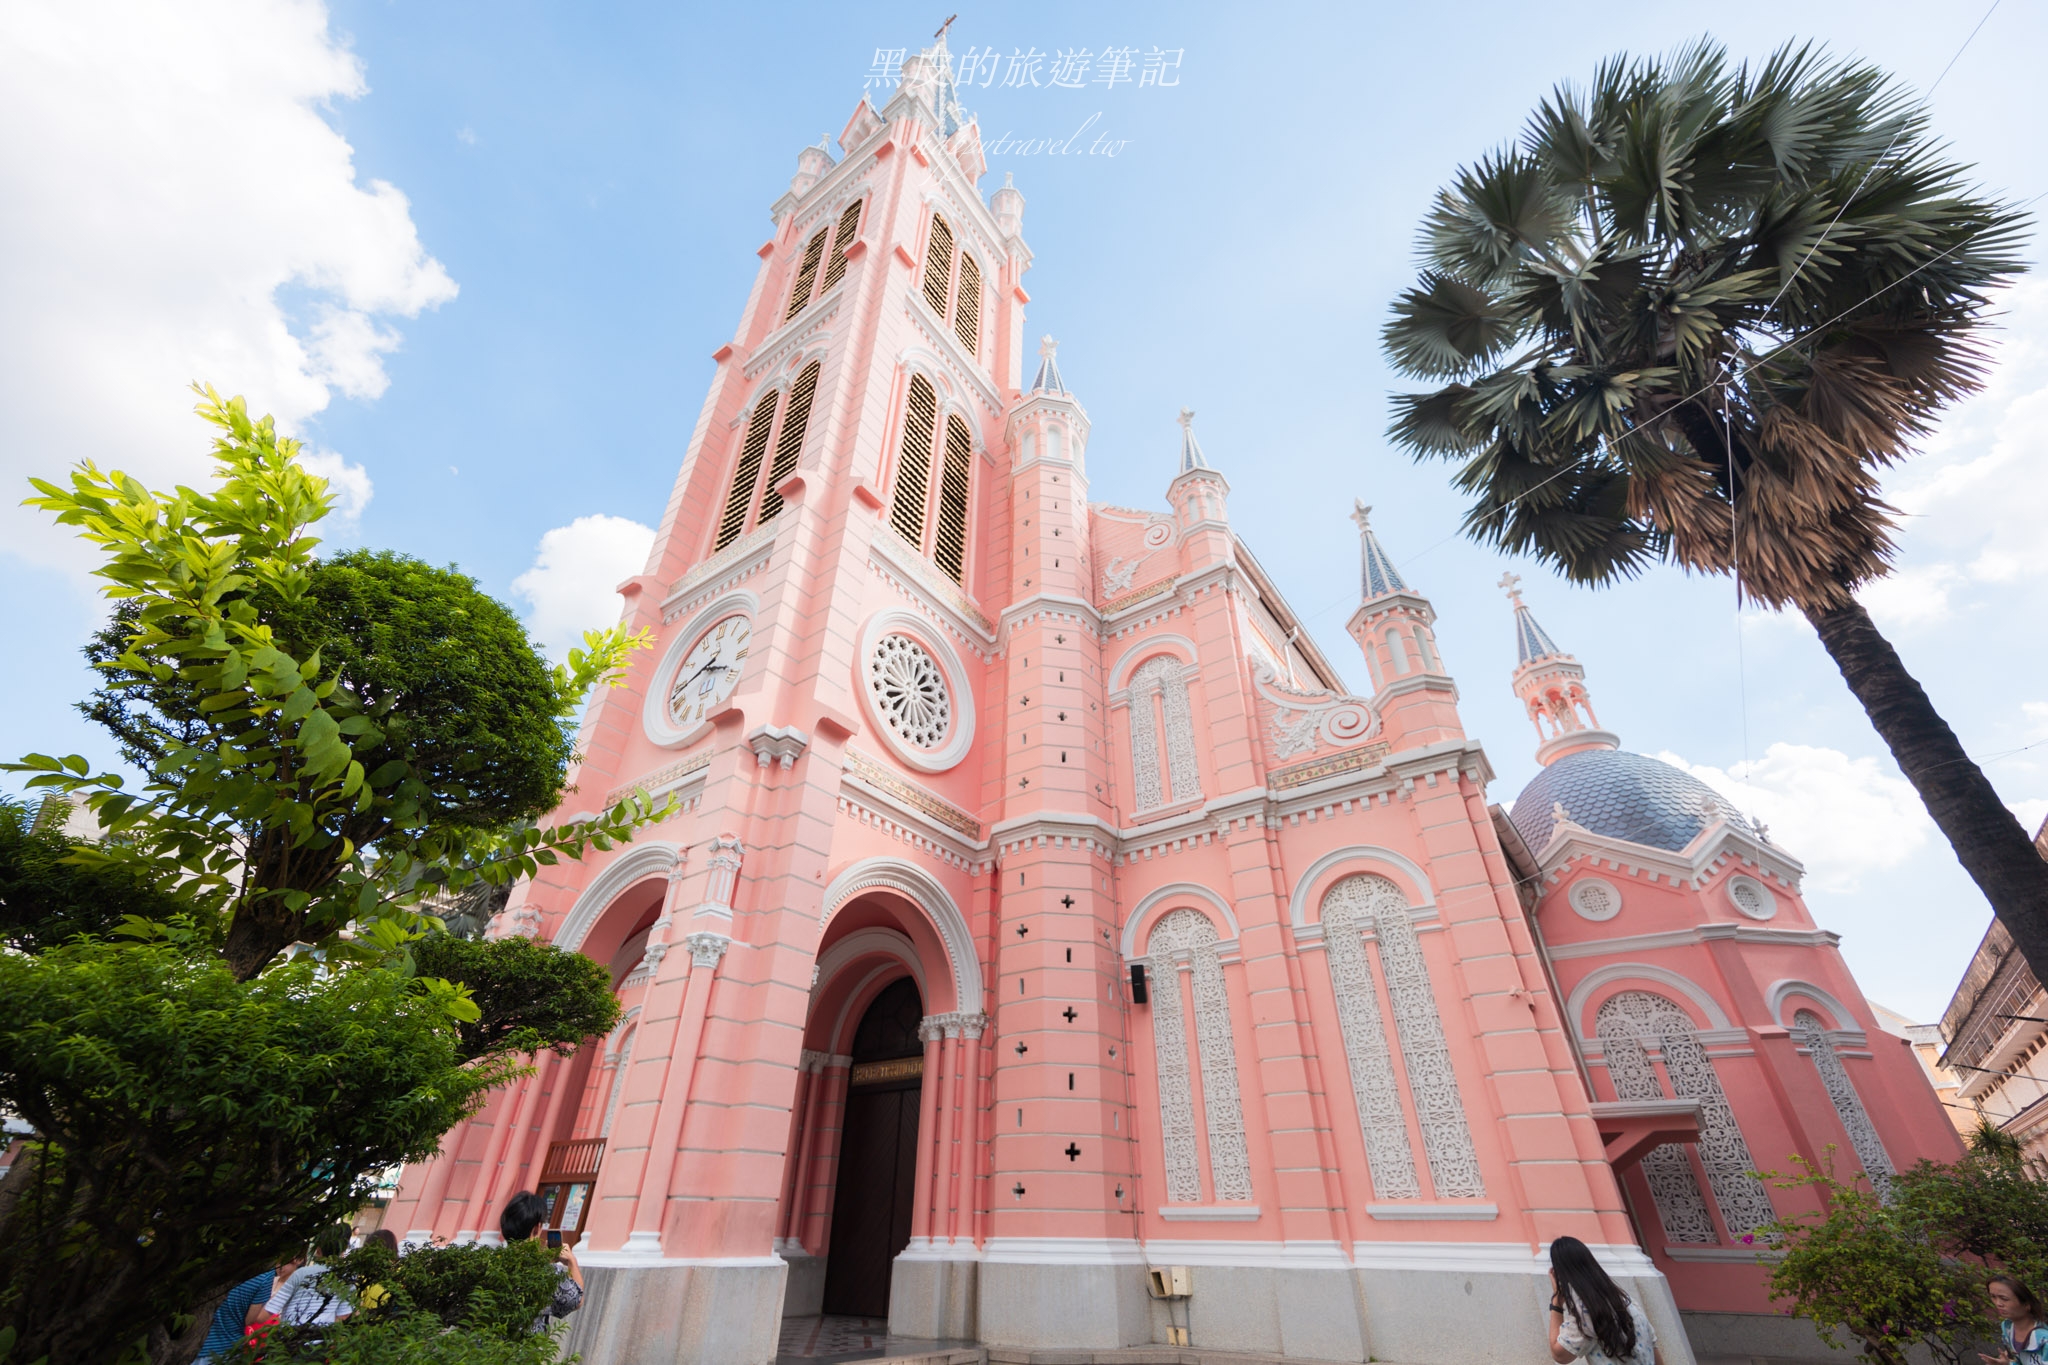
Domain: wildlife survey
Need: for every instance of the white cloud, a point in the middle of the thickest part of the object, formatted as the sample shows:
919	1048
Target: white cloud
1976	500
348	484
572	586
167	173
2030	813
1840	816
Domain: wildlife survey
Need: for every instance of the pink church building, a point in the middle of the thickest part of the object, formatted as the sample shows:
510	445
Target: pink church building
1038	909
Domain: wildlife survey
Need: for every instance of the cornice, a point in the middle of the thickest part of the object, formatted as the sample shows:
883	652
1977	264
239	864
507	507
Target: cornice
965	367
729	566
792	334
1025	610
1698	933
1693	866
1428	680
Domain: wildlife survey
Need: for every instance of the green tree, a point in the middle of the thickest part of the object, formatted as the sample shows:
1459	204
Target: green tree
45	899
1909	1274
1691	317
326	742
191	1126
326	745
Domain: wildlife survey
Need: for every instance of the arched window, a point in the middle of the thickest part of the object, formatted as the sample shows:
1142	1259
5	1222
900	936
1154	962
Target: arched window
967	308
806	275
1159	705
938	265
1183	945
1808	1031
1354	908
842	238
914	466
790	444
740	496
1631	1026
949	542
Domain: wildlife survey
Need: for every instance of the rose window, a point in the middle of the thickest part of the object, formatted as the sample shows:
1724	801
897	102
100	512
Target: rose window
910	692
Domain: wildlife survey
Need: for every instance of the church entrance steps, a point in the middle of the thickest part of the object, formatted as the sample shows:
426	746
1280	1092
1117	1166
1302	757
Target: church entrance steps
1144	1355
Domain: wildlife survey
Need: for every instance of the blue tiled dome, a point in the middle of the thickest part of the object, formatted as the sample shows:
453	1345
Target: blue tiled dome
1620	795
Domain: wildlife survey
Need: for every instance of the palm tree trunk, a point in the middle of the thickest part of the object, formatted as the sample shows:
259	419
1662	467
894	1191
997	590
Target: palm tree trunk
1988	840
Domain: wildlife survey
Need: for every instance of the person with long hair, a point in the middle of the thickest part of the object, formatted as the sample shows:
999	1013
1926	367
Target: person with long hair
1591	1317
2020	1330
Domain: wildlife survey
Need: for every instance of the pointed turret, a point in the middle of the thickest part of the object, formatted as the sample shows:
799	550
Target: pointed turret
1048	380
1198	494
1552	685
1394	624
1377	574
1191	456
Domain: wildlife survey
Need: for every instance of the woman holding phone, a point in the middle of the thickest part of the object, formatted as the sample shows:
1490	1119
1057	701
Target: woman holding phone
524	1218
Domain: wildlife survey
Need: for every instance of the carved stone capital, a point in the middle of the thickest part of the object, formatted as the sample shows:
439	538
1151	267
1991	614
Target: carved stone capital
782	744
707	948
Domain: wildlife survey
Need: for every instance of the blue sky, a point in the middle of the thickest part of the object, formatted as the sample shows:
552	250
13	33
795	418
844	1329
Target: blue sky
516	332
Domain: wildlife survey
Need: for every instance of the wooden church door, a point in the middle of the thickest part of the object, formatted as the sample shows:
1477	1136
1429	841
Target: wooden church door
877	1176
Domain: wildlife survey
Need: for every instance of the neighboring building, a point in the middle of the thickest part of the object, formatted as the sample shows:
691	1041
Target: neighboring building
1928	1046
1997	1031
1039	908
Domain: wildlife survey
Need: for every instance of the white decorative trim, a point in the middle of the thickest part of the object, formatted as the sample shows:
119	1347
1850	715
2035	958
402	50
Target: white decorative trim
643	1252
1780	990
772	743
1415	1213
1699	933
1722	1255
1750	897
862	942
1061	1251
654	715
1118	677
960	694
1262	1255
1208	1213
639	862
1186	891
920	889
1419	887
1595	899
1575	1007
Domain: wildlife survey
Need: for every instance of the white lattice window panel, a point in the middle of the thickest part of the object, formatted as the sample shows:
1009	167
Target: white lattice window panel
909	690
1653	1021
1160	707
1370	901
1347	914
1869	1149
1680	1205
1186	939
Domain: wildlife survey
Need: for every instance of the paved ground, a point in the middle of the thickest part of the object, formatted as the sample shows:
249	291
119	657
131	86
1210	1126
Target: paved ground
814	1340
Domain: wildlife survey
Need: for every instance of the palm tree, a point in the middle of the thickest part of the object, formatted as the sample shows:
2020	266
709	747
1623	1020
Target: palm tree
1691	317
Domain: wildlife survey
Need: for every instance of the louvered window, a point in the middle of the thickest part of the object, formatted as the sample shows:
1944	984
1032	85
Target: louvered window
790	444
914	468
949	544
938	265
806	275
967	308
741	495
849	228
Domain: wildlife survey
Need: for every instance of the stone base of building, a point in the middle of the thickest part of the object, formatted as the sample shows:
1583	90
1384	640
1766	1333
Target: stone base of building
935	1296
670	1313
805	1294
1718	1338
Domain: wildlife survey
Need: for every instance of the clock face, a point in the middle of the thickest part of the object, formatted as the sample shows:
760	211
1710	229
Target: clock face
709	672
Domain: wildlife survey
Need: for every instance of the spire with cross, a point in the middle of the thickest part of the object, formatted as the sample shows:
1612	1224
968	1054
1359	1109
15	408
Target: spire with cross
1377	574
1532	641
1191	456
1048	380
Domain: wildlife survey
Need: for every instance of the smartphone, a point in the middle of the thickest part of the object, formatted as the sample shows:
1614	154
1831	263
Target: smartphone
555	1239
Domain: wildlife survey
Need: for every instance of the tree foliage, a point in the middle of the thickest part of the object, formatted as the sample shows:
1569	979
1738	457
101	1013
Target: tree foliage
1909	1274
1694	312
325	743
473	1304
190	1126
528	995
46	899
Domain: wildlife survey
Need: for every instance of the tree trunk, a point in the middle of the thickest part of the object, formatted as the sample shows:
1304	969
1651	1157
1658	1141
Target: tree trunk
1987	838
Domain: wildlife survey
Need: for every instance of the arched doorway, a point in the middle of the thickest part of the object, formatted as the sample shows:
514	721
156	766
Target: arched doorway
877	1176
